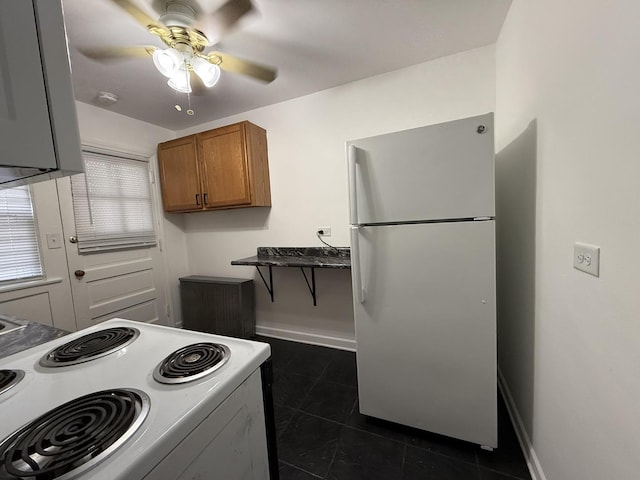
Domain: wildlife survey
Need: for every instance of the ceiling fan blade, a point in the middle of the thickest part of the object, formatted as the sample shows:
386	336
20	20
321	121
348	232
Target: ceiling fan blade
216	24
118	53
140	16
237	65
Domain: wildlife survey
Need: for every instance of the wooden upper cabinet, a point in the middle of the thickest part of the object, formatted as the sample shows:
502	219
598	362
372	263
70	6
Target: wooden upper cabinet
225	166
179	177
222	168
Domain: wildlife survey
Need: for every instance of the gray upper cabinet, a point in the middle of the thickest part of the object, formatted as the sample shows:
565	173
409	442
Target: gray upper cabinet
38	122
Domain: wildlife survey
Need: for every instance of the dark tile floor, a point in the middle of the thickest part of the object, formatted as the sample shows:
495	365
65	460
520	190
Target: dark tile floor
321	434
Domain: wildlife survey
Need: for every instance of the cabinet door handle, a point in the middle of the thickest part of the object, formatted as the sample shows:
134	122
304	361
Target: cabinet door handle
204	197
197	199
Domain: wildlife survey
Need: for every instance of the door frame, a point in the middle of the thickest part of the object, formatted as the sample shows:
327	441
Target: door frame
65	203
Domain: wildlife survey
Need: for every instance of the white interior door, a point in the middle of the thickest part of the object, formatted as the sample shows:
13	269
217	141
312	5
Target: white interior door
119	283
425	320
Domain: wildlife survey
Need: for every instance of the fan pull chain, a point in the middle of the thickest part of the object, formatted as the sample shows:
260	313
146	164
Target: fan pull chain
177	105
186	72
189	110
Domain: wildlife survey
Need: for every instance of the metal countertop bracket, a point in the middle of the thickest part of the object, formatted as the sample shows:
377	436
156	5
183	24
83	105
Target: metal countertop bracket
312	286
268	285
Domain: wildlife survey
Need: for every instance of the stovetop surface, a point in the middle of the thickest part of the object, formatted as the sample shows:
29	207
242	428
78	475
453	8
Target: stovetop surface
175	408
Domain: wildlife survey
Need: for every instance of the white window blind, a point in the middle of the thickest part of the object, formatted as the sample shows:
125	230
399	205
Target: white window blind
112	203
19	249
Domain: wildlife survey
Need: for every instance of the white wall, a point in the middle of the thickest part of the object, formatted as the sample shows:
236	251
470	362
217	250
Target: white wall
102	128
307	166
568	139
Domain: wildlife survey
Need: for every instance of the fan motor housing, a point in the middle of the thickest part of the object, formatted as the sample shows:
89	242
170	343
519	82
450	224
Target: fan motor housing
178	14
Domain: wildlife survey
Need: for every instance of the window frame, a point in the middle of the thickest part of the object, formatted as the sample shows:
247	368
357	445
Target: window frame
36	231
126	156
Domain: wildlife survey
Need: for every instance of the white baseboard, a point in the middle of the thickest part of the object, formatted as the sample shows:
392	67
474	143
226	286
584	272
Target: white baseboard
310	338
535	469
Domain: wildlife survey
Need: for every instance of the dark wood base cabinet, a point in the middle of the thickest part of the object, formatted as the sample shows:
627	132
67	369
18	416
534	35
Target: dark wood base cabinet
224	306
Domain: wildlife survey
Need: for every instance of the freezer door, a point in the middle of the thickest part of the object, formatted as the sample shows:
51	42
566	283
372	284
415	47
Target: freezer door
437	172
425	318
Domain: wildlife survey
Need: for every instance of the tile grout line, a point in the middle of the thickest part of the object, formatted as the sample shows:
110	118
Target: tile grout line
406	441
299	410
287	423
501	472
353	407
403	442
314	385
450	457
478	472
335	452
404	457
301	469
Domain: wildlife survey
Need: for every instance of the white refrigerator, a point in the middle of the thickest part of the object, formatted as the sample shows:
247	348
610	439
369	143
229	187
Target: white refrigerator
422	214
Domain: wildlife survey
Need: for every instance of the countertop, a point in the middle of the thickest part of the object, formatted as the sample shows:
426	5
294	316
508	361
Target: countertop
313	257
30	335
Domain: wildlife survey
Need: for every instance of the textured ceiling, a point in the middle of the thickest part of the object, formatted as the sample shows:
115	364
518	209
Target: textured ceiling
315	45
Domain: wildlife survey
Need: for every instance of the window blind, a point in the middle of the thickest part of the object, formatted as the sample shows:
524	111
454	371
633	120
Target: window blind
19	249
112	203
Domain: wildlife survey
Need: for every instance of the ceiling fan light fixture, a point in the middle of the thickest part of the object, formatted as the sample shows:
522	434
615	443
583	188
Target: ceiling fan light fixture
207	71
180	81
168	62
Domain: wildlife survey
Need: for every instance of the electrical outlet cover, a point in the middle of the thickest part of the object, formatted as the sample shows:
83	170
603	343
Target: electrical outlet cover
587	258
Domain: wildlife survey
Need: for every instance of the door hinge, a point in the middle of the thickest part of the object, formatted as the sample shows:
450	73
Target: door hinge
160	244
167	310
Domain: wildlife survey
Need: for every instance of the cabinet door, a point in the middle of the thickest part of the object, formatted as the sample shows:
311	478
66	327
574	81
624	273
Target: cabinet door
25	131
179	175
225	168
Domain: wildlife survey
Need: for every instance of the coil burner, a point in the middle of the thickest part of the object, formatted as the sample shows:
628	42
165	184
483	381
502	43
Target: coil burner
90	347
191	363
73	437
9	379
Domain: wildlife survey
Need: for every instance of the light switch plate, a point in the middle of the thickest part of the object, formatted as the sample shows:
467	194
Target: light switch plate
587	258
54	240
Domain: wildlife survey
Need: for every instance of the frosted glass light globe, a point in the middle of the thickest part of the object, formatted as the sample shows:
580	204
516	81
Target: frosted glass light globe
207	71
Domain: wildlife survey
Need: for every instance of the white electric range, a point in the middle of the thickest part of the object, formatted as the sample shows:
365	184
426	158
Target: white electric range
127	400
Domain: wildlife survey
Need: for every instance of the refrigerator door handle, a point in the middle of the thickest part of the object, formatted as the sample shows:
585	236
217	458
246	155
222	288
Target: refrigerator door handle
355	264
352	158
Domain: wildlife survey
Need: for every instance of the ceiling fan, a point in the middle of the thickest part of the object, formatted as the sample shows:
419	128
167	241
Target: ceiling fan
176	27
